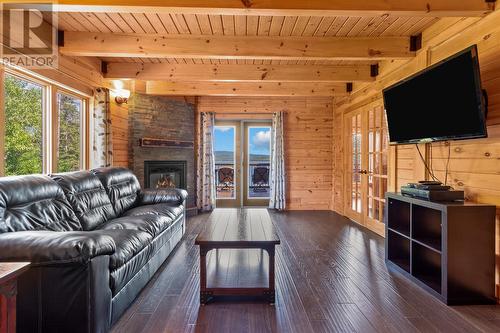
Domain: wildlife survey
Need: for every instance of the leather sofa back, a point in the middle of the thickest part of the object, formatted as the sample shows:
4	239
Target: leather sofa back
87	196
121	185
34	202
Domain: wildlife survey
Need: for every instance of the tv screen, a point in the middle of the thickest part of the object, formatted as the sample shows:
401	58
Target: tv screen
443	102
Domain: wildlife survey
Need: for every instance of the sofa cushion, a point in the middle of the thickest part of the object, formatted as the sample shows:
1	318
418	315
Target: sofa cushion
87	196
132	252
174	196
120	276
173	211
152	224
34	202
51	247
128	244
121	185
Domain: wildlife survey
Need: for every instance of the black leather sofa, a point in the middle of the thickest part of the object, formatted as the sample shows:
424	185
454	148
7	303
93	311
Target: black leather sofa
94	239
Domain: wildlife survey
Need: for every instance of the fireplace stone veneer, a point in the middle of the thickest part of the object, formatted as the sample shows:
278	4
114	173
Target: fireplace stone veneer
165	118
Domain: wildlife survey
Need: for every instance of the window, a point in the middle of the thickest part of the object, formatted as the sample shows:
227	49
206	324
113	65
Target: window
23	126
44	127
69	138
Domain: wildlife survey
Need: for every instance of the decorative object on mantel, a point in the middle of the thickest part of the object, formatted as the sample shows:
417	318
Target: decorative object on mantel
155	143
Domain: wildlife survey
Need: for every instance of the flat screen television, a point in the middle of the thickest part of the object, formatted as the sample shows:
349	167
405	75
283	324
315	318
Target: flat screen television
443	102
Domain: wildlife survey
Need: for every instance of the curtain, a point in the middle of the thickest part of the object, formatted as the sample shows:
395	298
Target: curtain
102	149
278	175
205	198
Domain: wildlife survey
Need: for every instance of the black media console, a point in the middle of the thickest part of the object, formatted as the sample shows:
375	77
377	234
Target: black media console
448	248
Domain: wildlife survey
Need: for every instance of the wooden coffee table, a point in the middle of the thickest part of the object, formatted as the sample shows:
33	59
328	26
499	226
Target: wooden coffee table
238	229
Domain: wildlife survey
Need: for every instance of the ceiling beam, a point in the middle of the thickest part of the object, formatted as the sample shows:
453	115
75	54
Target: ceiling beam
434	8
245	88
234	47
238	73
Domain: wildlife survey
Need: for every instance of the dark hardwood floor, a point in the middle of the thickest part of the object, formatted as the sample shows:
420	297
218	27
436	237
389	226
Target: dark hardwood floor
330	277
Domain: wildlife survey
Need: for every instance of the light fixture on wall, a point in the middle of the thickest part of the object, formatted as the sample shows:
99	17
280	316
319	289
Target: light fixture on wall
121	96
119	92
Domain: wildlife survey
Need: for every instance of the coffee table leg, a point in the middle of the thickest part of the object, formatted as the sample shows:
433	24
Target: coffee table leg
8	294
271	294
203	276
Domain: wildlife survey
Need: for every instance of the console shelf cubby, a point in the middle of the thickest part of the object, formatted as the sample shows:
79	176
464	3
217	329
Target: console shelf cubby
447	248
400	250
426	266
399	220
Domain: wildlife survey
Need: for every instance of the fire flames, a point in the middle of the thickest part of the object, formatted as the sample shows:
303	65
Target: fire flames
165	181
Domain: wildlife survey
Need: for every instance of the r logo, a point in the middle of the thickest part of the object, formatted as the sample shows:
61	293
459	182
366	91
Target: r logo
29	33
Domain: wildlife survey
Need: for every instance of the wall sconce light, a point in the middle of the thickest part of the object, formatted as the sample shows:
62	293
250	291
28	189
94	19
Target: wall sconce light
121	96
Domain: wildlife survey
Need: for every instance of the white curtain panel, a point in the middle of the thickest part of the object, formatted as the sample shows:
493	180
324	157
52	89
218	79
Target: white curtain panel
278	174
102	146
205	198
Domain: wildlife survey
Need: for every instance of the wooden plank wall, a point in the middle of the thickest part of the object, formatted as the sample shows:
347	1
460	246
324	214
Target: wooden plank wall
338	163
308	142
474	164
78	73
120	133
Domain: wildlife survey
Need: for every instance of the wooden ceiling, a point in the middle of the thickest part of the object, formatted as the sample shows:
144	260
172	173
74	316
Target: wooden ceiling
247	47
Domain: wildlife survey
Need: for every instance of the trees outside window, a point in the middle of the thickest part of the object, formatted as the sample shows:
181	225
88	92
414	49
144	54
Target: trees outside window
69	129
23	126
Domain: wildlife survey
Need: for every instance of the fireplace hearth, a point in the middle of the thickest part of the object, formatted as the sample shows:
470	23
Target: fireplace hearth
165	174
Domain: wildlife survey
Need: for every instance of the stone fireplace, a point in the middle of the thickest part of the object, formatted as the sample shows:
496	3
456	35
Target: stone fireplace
165	174
163	118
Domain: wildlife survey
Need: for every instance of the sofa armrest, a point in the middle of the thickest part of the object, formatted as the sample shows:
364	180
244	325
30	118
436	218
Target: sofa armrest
167	195
49	247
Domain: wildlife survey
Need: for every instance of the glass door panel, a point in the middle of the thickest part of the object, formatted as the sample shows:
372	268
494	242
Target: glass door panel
227	161
257	161
377	170
354	169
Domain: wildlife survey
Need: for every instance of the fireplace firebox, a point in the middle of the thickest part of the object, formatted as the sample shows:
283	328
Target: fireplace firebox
165	174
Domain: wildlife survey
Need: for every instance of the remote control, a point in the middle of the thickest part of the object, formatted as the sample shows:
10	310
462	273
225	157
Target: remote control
429	182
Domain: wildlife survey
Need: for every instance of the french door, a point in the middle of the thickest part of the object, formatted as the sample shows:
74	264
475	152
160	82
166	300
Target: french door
242	152
366	164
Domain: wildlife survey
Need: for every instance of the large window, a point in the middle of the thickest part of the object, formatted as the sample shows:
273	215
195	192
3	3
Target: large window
23	148
69	141
44	127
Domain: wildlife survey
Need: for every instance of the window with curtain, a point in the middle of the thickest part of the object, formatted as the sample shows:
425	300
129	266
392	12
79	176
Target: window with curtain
44	127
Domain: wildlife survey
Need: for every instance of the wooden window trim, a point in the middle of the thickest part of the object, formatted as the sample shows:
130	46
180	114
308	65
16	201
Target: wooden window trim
2	122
